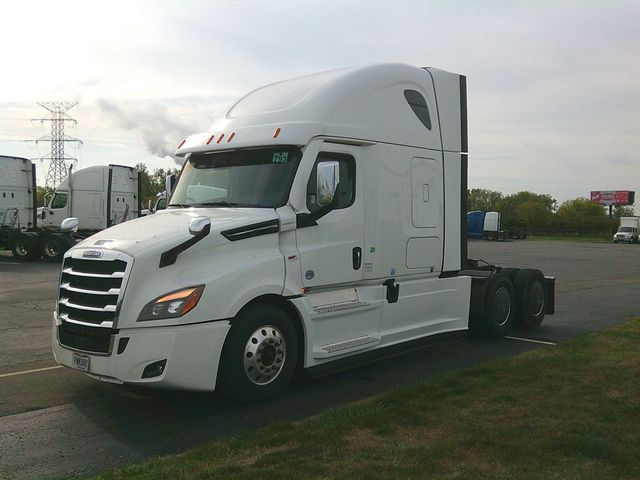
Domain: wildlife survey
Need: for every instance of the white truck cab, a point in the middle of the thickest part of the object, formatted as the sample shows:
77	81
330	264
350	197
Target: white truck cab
628	231
320	218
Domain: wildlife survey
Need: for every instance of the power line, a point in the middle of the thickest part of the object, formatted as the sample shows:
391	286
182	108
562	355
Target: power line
57	116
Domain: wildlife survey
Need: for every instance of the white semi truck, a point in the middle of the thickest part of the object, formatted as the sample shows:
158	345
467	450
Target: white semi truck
628	231
320	218
98	197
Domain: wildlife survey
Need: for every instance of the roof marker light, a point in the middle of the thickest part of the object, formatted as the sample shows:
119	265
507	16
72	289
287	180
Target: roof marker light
220	138
233	134
182	143
210	138
276	133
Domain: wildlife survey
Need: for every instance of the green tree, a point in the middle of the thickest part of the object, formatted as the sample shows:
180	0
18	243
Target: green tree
580	207
621	211
510	204
483	199
533	215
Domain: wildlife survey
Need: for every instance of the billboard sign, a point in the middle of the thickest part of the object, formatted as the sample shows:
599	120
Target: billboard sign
613	197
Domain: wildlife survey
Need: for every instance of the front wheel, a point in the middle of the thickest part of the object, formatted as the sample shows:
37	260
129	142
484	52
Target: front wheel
260	354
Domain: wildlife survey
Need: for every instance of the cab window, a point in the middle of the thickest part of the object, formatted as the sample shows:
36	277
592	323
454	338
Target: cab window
347	180
59	200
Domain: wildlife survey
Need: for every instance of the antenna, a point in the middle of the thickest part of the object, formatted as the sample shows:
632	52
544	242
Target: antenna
57	116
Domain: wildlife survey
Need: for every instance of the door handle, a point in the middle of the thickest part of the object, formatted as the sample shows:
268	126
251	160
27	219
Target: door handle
356	256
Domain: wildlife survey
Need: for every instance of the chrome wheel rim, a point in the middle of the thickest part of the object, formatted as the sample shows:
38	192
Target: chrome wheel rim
536	298
502	306
50	248
264	355
21	248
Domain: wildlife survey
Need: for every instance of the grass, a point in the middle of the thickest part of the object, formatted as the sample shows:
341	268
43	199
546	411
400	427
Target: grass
569	238
565	412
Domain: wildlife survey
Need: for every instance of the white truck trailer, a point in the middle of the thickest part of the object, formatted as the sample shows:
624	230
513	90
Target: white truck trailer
628	231
320	218
98	197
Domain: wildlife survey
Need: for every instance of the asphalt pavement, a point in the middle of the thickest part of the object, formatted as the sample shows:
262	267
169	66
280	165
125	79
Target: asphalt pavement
57	422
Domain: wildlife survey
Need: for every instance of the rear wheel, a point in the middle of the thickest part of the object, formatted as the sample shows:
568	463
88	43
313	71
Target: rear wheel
498	309
491	236
25	247
531	302
501	237
54	246
260	354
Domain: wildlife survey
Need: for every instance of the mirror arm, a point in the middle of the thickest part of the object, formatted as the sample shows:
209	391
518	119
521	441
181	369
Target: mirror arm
170	256
311	219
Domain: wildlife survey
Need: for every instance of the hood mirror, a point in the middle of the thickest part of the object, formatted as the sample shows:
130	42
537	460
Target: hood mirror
69	225
198	225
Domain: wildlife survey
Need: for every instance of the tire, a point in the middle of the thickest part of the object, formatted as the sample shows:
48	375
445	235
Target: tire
501	237
25	247
257	332
491	236
531	302
498	309
54	246
510	273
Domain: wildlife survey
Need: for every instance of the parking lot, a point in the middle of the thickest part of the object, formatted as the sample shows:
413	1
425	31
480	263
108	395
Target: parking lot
56	422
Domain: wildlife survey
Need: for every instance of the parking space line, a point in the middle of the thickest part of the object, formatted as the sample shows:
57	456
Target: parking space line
530	340
24	372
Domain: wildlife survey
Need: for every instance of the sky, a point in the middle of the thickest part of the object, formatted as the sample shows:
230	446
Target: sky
553	86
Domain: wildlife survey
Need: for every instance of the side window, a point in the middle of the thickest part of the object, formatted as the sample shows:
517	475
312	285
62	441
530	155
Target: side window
347	180
59	200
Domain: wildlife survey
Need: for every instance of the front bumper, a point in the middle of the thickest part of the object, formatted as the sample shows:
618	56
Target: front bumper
192	353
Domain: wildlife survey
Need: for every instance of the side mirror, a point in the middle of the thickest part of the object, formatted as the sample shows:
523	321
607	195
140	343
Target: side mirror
198	226
69	225
170	182
327	179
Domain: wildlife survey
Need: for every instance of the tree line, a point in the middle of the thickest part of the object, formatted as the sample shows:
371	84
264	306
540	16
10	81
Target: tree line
541	214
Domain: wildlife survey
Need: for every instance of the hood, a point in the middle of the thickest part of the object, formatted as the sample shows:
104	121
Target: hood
168	228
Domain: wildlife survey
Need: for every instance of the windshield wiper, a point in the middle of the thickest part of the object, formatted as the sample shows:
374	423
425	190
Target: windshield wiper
181	205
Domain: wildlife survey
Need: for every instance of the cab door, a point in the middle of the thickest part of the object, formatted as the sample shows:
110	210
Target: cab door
57	210
331	251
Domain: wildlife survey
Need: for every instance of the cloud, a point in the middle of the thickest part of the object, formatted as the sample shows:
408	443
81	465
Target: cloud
159	124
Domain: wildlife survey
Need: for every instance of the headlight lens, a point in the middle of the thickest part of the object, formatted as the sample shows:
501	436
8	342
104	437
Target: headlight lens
172	305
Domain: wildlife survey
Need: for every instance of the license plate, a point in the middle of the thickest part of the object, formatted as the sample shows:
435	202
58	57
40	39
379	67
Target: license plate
81	362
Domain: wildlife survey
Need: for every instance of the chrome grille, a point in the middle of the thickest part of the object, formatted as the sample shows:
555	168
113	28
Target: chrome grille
90	291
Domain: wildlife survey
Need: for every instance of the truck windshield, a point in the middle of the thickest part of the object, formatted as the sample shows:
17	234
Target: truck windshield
625	229
240	178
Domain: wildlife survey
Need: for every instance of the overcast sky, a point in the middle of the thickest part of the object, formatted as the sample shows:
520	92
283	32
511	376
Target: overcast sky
553	87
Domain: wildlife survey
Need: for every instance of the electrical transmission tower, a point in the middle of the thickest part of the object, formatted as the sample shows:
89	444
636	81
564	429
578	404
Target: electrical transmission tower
57	116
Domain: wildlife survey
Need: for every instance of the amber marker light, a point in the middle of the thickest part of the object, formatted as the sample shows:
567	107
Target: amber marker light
220	138
276	133
233	134
210	138
182	143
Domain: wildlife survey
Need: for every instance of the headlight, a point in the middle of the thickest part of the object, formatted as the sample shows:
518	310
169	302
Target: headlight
172	305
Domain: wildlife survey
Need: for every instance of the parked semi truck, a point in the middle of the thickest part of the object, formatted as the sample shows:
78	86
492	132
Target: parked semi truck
321	218
487	226
98	197
628	230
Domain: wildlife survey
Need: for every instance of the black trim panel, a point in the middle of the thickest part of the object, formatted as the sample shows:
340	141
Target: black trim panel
170	256
253	230
34	192
464	205
109	196
463	115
